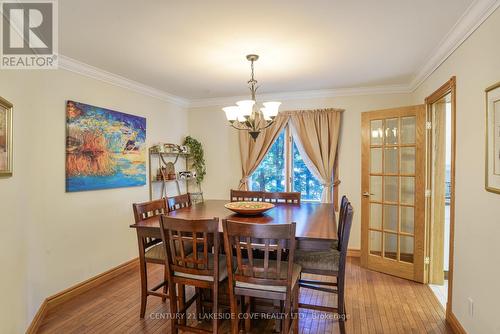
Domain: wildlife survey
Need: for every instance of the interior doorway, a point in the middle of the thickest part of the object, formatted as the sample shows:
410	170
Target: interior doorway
440	190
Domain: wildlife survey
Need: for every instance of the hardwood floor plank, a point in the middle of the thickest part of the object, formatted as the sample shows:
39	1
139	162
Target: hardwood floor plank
376	303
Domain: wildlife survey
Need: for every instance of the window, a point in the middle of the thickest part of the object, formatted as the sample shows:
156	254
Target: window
270	175
283	160
303	180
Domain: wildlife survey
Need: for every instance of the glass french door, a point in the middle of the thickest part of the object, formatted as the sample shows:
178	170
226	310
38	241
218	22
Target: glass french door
393	194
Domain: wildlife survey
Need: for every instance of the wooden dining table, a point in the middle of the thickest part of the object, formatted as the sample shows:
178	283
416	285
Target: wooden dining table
316	225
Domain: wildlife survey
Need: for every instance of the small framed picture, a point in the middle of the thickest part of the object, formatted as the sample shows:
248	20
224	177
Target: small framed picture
5	138
493	138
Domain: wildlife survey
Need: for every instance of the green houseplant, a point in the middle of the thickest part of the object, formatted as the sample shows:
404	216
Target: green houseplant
197	158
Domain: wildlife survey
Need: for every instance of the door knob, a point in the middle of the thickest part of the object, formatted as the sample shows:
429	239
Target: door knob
366	194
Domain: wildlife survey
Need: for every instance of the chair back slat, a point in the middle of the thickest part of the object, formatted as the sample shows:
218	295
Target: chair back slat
246	196
179	202
282	197
180	235
275	240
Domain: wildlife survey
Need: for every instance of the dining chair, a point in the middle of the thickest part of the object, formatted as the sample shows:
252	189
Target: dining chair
282	197
204	269
178	202
330	262
262	278
150	250
246	196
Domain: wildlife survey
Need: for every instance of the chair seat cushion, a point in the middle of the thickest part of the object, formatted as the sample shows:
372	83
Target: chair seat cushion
222	269
318	260
157	252
283	275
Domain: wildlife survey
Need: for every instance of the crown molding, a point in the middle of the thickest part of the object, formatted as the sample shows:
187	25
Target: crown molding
90	71
304	94
473	17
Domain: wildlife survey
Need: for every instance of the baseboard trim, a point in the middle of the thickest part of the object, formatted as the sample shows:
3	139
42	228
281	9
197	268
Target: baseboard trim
37	320
454	323
77	290
354	252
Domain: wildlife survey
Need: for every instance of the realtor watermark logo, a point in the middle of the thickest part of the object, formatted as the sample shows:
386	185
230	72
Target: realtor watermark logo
29	34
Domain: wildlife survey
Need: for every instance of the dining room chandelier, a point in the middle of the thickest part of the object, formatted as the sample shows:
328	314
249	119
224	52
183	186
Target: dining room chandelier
245	115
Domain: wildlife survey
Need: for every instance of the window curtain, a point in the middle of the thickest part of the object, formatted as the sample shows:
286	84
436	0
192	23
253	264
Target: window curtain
252	152
317	135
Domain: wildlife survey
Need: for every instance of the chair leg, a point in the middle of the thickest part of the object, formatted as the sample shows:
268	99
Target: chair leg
287	314
182	302
165	287
278	326
296	311
341	301
248	308
173	309
198	291
234	312
215	308
144	286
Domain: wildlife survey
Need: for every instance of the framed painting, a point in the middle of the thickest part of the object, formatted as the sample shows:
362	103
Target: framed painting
493	138
5	138
104	148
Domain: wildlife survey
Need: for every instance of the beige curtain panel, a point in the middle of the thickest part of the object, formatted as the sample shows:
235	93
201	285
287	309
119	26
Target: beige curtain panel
317	136
252	152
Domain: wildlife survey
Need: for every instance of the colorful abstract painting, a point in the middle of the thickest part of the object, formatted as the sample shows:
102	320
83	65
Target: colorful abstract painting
104	148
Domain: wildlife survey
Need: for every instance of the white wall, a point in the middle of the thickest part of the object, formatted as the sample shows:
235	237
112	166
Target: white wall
49	239
476	64
220	142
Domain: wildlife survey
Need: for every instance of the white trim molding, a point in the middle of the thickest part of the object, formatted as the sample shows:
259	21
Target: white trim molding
76	66
473	17
304	94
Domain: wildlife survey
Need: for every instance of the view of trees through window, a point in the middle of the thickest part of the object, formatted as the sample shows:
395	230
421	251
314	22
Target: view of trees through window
303	180
271	173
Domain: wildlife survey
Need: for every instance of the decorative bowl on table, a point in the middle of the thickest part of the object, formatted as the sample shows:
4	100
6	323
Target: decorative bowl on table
249	208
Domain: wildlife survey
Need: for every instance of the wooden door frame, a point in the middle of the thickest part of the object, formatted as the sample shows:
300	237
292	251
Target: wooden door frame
416	272
448	87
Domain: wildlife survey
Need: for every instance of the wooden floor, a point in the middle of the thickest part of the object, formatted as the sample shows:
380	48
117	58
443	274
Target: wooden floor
376	303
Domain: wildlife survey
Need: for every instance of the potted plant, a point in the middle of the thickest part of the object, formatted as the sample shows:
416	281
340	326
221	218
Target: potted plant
197	158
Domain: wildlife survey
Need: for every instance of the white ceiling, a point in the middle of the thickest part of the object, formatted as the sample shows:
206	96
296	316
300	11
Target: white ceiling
196	49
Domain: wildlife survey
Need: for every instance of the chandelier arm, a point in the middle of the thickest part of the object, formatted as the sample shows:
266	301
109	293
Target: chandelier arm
237	128
269	123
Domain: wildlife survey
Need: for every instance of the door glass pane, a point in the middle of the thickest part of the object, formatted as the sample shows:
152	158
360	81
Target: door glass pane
391	218
407	219
375	215
408	130
391	158
391	246
407	190
391	188
408	160
376	132
376	188
376	160
391	130
406	249
376	243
